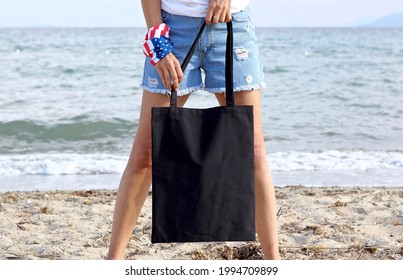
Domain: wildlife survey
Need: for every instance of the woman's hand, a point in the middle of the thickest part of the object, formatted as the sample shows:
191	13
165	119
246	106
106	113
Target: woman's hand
218	11
170	71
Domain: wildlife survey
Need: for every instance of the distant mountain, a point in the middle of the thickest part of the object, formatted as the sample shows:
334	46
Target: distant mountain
393	20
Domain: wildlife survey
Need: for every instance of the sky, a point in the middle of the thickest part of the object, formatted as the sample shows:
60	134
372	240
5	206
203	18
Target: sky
128	13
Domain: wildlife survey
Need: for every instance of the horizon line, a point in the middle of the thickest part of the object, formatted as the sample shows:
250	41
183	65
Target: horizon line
257	26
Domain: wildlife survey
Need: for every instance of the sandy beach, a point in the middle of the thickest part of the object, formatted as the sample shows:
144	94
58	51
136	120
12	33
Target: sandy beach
347	223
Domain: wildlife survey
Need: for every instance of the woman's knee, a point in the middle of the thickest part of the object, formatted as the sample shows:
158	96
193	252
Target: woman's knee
140	158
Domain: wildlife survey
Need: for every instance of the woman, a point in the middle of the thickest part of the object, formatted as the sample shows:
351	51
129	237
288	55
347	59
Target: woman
163	71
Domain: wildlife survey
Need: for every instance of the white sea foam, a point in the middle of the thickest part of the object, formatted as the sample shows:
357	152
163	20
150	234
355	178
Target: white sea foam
334	160
87	164
61	164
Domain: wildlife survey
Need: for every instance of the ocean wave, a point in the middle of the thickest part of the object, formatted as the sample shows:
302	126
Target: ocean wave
61	164
87	164
336	160
69	131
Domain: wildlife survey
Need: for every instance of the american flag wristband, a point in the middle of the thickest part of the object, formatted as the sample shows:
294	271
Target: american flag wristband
157	44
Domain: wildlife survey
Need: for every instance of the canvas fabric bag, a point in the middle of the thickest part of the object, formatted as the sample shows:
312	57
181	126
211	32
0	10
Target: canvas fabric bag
203	168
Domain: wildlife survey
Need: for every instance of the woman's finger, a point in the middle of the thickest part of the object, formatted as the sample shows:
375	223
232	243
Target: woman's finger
217	11
179	71
173	79
164	74
170	72
167	79
228	17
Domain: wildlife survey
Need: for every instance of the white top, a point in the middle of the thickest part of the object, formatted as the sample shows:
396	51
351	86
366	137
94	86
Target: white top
197	8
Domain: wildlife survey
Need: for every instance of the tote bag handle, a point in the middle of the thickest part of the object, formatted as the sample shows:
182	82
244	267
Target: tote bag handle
229	56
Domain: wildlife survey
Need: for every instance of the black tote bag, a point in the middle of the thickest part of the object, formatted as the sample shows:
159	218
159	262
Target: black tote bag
203	168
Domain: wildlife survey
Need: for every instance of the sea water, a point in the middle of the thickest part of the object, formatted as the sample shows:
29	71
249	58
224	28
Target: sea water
70	99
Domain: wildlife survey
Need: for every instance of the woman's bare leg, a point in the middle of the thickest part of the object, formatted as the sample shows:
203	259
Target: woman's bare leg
266	207
136	179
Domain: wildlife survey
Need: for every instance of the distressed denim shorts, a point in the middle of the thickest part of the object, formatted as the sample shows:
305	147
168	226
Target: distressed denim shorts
206	70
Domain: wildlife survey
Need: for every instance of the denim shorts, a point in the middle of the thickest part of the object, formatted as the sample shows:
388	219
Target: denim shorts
206	70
